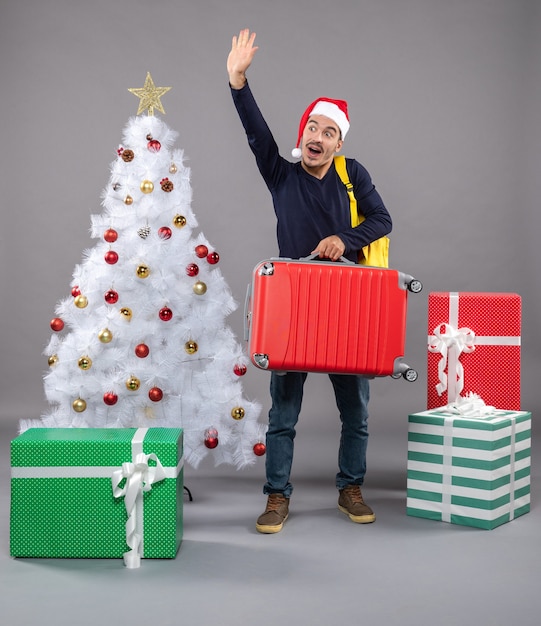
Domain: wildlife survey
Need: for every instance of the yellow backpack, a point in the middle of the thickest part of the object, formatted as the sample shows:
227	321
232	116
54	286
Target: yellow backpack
375	254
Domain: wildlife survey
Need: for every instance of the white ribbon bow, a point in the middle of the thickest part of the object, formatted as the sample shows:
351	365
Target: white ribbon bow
448	339
140	476
470	405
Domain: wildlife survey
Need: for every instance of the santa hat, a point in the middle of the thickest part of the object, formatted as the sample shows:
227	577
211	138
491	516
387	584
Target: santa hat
336	110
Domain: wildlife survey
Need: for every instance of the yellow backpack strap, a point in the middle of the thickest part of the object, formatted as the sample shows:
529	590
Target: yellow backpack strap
340	165
377	252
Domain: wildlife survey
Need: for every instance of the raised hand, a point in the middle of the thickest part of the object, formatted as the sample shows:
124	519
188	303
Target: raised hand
240	57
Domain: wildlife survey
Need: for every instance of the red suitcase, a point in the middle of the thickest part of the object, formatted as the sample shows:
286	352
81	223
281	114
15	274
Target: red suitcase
323	316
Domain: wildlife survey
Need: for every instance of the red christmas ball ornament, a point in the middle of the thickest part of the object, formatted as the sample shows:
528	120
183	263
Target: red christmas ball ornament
155	394
201	251
110	235
111	296
211	438
75	291
165	232
142	350
260	449
165	314
192	269
213	258
111	257
240	369
154	145
57	324
110	398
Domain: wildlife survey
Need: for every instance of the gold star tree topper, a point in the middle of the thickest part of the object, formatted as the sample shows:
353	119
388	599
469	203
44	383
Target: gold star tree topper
150	96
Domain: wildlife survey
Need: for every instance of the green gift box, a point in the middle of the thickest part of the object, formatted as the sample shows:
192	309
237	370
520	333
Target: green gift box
97	493
473	471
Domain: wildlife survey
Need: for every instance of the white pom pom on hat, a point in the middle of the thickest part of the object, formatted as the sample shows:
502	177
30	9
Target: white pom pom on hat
336	110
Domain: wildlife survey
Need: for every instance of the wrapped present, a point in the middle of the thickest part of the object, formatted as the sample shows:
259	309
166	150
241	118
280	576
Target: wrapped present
473	471
97	493
474	346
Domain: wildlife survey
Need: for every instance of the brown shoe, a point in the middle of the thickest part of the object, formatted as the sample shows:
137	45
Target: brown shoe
352	504
272	520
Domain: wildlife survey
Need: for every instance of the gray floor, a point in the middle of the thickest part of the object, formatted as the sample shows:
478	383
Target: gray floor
321	570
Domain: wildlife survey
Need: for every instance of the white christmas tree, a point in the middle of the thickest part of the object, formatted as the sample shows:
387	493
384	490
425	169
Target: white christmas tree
142	340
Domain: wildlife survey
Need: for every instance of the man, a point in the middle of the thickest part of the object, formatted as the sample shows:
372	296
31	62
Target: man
313	217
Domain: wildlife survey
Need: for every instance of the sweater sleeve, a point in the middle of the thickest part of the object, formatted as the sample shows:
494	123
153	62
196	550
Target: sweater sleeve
259	135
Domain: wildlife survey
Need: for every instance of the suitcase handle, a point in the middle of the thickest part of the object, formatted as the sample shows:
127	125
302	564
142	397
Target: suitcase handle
315	257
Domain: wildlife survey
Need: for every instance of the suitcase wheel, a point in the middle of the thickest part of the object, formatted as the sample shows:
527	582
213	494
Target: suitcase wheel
415	286
410	375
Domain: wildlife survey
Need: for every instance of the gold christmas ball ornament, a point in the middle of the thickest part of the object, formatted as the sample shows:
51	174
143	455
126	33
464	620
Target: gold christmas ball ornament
52	360
191	347
85	362
79	405
238	413
128	200
179	221
133	383
105	335
199	288
147	186
143	271
81	301
173	168
126	313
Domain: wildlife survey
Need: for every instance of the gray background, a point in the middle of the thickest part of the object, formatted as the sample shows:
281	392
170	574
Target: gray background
444	99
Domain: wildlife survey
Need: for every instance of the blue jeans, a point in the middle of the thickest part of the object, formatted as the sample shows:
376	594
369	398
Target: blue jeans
352	395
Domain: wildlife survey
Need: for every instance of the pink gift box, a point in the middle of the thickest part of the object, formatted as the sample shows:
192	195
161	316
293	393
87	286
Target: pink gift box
474	346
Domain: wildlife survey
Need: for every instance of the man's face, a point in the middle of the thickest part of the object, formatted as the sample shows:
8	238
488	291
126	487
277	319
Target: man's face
320	141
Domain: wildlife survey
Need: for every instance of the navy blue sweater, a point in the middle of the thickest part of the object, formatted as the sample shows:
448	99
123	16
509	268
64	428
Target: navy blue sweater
309	209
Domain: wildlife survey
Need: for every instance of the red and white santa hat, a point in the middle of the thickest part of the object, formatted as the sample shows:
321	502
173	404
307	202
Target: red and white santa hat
336	110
